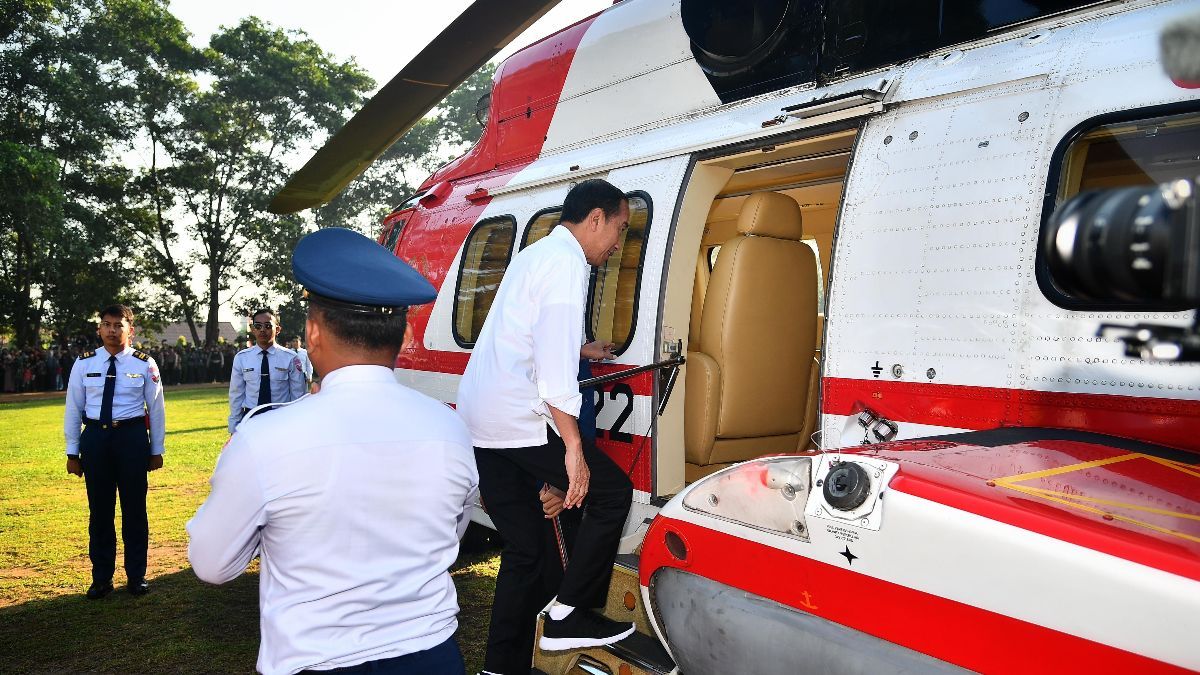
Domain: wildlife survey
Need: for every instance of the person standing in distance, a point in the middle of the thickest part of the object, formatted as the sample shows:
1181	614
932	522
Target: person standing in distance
264	373
354	498
520	398
115	395
305	362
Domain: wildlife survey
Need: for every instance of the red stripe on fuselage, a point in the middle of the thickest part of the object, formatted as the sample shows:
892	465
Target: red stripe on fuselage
1166	421
945	629
434	232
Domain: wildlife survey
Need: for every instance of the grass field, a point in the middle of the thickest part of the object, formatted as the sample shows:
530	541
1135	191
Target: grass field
184	625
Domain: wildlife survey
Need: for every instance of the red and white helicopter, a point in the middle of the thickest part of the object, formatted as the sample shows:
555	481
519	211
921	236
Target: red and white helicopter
925	421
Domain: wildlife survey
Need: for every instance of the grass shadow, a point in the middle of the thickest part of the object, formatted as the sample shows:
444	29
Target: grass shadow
187	626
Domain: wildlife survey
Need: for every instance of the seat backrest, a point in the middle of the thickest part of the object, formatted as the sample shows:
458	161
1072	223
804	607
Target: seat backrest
759	327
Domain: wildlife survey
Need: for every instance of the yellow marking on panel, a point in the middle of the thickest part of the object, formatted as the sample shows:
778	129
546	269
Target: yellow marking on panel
1068	469
1189	469
1110	502
1073	501
1115	516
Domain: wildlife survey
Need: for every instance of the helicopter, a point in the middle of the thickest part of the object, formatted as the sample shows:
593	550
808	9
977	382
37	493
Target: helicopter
905	318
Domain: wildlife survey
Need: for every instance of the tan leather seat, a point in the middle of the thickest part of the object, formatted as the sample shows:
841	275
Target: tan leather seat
749	374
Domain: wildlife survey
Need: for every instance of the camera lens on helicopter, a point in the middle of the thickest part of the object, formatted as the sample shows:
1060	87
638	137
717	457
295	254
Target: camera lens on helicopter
1138	246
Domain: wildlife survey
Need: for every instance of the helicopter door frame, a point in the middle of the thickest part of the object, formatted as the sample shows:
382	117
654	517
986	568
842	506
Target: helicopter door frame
704	179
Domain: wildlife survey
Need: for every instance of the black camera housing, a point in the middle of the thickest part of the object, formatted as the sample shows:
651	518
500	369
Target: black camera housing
1135	248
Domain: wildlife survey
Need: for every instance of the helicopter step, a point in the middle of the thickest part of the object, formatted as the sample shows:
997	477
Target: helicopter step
638	654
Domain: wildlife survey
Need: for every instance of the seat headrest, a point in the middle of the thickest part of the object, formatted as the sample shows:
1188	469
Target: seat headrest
770	214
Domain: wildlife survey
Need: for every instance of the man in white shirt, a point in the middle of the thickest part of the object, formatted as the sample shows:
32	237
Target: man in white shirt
354	498
520	399
264	373
305	364
114	397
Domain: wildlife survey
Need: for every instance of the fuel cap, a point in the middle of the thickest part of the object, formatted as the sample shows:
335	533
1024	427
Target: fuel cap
846	486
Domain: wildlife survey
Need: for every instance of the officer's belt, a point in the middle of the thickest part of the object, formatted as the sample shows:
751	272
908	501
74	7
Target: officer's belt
260	412
116	424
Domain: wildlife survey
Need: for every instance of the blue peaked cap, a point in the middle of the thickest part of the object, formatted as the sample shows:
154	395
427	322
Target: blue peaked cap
357	273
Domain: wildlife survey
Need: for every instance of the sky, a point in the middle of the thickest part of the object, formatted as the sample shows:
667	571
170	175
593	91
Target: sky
381	36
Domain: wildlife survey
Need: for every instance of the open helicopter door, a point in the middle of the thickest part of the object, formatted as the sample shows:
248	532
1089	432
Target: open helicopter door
622	304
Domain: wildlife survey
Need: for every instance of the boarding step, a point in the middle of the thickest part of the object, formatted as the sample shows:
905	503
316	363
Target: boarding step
638	654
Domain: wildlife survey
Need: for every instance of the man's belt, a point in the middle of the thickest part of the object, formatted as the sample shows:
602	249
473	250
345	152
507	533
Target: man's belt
260	412
116	424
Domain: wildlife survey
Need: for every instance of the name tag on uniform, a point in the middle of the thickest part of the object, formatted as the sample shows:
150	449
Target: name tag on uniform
93	375
133	374
283	369
247	370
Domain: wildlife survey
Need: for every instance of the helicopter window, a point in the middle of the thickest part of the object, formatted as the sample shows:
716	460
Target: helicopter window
612	299
394	235
485	257
1138	148
1132	153
712	256
540	225
812	243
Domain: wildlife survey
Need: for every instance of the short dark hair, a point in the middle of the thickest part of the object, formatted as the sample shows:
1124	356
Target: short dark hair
263	310
592	194
117	312
363	329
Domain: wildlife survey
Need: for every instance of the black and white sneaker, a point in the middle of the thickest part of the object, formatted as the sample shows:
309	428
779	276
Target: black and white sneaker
582	628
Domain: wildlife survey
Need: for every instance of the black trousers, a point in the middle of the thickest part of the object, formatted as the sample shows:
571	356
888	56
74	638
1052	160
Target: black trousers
116	460
509	481
444	659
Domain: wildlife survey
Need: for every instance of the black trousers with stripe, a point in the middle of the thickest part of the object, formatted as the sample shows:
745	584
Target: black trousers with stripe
115	460
509	481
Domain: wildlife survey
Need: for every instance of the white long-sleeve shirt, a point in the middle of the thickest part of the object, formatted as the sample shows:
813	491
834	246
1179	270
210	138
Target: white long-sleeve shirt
527	354
138	391
355	498
288	381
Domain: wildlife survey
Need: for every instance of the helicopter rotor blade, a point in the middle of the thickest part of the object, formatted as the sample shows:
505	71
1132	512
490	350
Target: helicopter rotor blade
478	34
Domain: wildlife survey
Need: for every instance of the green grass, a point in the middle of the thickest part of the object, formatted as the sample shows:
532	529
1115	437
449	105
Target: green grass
184	625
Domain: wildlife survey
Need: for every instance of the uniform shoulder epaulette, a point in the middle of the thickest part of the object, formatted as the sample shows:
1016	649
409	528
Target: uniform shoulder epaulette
87	355
141	355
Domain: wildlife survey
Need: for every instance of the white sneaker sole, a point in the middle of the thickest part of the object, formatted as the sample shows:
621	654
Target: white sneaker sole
560	644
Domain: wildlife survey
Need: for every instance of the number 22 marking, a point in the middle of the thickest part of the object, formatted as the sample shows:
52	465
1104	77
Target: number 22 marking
615	434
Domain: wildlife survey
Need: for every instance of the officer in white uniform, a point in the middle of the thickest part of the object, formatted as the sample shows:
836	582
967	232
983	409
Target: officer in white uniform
264	373
305	362
115	396
353	498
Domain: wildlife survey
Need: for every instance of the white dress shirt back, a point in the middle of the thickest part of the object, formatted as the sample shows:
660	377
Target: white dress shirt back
355	498
527	354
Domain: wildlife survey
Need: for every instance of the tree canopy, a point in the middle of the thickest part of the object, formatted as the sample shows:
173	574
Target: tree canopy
136	167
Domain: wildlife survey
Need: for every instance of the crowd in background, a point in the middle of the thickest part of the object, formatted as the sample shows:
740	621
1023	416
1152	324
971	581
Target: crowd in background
42	368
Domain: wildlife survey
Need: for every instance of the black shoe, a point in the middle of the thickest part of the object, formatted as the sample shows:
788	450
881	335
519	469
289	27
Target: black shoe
582	628
139	587
99	589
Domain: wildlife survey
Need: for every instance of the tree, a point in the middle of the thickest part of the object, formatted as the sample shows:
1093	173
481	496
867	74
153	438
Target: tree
69	83
271	91
447	131
31	219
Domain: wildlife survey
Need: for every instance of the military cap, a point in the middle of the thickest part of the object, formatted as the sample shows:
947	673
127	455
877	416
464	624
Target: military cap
343	268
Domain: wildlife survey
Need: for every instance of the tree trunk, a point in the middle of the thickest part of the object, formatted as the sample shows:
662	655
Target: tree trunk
213	328
178	285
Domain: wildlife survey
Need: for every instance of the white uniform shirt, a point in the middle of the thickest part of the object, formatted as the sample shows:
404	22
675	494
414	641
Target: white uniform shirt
287	379
355	499
138	392
527	355
305	364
